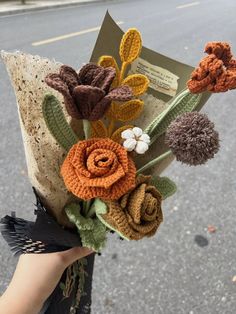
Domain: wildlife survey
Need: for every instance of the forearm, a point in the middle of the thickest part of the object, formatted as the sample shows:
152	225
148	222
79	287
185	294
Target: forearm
28	290
13	302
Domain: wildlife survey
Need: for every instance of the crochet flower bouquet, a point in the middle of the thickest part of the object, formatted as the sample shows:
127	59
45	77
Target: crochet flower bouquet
97	140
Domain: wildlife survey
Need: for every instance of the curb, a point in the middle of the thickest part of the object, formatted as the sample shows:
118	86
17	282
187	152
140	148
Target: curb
52	6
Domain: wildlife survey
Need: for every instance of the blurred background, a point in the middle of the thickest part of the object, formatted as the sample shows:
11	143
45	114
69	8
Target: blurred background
189	267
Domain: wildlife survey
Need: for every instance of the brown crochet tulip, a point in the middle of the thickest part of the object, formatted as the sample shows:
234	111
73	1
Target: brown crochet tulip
87	95
138	213
216	72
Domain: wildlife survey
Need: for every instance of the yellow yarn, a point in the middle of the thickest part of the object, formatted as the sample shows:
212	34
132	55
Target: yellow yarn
98	129
109	61
138	82
129	110
130	49
130	46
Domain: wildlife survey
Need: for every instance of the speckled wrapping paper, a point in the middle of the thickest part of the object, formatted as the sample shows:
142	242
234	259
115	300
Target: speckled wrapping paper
44	156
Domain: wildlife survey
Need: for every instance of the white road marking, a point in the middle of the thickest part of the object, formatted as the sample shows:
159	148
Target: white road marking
187	5
85	31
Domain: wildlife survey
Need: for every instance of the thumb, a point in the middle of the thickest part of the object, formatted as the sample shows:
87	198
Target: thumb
76	253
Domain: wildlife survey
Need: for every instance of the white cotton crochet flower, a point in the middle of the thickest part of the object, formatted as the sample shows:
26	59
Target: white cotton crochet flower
135	140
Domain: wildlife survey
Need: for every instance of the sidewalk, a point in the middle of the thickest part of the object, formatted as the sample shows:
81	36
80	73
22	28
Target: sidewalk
14	7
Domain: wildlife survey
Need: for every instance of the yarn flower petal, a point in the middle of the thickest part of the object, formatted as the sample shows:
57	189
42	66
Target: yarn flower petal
100	109
104	78
55	81
127	134
86	98
121	93
141	147
88	72
130	144
69	76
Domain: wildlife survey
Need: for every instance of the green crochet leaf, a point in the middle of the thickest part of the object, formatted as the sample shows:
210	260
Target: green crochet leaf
73	212
56	122
100	208
92	231
165	186
183	102
95	238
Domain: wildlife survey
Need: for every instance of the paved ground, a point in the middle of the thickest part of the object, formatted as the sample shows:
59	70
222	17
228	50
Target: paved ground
184	269
11	7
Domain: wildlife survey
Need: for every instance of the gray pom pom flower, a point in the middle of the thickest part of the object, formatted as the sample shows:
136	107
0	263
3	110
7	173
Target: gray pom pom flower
192	138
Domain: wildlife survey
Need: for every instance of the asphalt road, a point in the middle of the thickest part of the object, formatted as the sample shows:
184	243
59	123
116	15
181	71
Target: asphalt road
184	268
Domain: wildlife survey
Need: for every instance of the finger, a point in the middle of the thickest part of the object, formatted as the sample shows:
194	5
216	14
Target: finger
76	253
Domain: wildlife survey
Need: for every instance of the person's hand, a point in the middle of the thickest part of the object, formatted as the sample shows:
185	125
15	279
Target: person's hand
35	278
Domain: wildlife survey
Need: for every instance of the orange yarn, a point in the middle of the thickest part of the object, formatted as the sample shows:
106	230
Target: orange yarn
98	168
216	72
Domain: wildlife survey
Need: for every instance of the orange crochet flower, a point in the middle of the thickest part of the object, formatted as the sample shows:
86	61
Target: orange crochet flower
98	168
216	72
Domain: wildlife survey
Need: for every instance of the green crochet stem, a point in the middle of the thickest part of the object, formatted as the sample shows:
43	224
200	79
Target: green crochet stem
183	102
56	122
153	162
87	129
89	212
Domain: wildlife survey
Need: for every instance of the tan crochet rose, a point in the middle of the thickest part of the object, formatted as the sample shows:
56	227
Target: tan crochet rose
138	213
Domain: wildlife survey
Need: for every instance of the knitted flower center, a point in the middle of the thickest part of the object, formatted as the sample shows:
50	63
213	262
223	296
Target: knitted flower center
149	208
101	162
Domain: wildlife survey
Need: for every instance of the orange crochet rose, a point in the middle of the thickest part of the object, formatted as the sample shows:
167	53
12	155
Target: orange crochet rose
98	168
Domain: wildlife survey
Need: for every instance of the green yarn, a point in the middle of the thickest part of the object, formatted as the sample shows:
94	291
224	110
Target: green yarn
100	208
91	231
95	238
154	162
73	212
165	186
87	129
56	122
183	102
